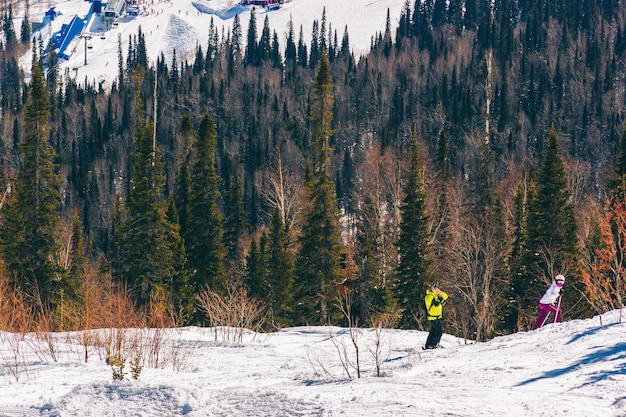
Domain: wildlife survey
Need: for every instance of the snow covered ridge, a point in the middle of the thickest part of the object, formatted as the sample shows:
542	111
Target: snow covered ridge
576	368
92	54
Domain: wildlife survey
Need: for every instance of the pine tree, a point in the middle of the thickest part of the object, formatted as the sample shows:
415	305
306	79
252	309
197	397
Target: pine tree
31	217
320	252
204	237
413	273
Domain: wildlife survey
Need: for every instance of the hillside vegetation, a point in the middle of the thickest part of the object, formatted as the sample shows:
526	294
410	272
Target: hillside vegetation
480	144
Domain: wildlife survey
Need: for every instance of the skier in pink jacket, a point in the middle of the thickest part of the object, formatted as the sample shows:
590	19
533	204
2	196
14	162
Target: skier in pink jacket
549	302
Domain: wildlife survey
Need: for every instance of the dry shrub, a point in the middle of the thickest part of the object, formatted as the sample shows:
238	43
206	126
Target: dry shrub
232	314
16	319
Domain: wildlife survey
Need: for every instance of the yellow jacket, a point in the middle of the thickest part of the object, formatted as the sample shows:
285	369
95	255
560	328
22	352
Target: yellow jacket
434	303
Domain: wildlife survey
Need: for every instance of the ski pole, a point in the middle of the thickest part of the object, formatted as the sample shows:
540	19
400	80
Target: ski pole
558	308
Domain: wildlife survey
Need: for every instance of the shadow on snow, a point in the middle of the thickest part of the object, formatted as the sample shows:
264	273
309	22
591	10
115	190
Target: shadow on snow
612	354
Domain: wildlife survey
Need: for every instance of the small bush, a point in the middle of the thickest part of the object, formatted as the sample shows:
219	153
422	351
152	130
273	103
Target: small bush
117	365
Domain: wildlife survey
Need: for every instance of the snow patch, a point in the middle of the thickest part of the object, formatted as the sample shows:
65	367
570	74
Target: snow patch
220	11
181	37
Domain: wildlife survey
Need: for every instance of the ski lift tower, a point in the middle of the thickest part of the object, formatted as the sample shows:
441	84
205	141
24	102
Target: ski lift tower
86	37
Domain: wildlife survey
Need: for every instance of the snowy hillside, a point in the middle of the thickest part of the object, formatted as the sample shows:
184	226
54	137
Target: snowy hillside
182	24
576	368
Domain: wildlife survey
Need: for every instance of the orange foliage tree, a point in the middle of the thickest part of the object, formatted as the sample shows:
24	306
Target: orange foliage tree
604	276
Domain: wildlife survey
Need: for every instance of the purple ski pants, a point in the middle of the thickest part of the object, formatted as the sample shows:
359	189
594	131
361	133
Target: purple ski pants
544	310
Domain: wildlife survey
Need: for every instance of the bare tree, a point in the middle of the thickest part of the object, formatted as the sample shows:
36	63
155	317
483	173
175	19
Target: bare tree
283	189
479	258
234	314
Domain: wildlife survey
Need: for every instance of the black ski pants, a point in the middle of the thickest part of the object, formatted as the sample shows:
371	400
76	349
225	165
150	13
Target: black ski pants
434	336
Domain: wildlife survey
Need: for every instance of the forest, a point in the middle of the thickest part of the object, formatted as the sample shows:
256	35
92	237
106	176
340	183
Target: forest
479	144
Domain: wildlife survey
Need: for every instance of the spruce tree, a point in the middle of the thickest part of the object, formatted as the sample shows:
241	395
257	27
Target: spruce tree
413	272
280	265
264	47
152	253
256	274
235	40
31	216
320	248
204	237
181	198
551	231
10	38
235	226
250	54
25	29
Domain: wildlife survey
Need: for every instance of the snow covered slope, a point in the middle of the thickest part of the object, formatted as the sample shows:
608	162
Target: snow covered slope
183	24
577	368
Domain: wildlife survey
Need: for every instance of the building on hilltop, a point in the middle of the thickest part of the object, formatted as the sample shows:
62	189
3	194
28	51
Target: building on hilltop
114	9
269	4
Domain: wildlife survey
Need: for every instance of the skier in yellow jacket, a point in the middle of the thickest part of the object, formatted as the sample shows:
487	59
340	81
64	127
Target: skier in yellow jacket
435	300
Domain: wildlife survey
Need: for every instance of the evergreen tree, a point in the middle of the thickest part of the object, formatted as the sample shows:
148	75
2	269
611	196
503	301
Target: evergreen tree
212	47
345	44
264	47
235	227
235	40
316	51
204	237
275	55
121	70
320	252
514	313
78	255
181	198
551	231
250	56
152	254
25	29
141	50
31	217
280	265
413	273
302	50
290	48
52	73
617	180
10	38
256	273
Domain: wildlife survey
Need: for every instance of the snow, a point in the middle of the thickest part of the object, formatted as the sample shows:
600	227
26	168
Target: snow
184	24
575	368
